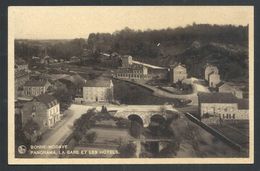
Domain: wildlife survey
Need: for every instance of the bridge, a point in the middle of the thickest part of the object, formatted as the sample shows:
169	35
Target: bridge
144	112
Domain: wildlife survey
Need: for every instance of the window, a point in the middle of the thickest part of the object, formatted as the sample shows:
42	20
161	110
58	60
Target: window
234	116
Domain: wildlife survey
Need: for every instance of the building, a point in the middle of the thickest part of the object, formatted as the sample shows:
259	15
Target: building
127	61
135	72
209	69
98	90
223	106
214	79
35	87
243	109
21	65
74	59
177	73
20	79
21	75
225	87
43	109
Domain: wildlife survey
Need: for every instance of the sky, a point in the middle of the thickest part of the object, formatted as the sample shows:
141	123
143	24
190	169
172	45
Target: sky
79	22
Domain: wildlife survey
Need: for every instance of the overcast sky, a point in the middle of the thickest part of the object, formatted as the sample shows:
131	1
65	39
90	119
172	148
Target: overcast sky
76	22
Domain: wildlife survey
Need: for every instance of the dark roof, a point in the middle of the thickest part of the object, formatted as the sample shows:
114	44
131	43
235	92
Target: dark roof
20	61
220	84
243	103
36	83
217	98
48	100
99	82
176	65
21	74
76	79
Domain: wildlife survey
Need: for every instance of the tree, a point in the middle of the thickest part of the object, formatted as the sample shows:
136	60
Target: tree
31	129
82	125
91	137
127	150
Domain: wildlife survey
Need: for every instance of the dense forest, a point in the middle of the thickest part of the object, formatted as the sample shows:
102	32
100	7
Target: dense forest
194	45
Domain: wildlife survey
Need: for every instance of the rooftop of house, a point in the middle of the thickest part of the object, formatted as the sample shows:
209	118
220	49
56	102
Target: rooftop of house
75	79
213	73
131	69
48	100
99	82
74	57
36	83
177	65
21	74
20	61
217	98
231	85
210	65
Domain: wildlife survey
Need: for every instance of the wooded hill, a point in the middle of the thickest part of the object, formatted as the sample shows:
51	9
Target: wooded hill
194	45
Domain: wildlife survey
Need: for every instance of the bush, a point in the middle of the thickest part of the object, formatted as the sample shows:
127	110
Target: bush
91	137
123	123
127	150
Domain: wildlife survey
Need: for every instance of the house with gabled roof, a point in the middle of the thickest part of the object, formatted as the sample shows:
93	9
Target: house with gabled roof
98	90
221	106
225	87
35	87
43	109
209	69
178	72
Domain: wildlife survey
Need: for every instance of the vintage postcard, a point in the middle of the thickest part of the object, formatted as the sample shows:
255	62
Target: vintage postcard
130	84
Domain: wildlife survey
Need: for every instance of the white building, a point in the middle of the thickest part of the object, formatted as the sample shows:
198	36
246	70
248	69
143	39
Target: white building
210	69
127	61
222	106
44	109
177	73
214	79
99	90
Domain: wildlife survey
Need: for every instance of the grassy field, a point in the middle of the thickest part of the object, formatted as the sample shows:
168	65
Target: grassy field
127	93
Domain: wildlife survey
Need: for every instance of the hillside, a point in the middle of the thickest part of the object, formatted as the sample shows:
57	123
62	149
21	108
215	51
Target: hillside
194	45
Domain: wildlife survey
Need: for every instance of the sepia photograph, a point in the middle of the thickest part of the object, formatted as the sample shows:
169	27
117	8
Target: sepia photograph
130	84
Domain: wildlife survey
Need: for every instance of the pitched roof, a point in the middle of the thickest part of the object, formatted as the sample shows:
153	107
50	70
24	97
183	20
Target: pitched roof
177	65
36	83
99	82
48	100
217	98
230	85
210	65
21	74
20	61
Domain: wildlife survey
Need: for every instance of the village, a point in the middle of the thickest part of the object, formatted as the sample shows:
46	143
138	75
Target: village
52	96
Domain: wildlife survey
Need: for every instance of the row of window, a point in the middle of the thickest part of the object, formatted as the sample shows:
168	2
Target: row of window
228	116
219	109
130	75
54	110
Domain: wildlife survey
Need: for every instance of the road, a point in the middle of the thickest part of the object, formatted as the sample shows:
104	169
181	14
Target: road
58	134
